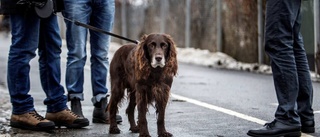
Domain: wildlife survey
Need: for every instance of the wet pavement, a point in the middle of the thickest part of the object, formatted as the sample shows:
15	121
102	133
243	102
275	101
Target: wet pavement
5	111
5	106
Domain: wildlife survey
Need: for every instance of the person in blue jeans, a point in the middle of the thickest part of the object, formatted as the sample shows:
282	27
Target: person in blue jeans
100	14
29	33
284	45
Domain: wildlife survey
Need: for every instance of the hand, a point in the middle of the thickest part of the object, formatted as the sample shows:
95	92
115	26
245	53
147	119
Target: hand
31	3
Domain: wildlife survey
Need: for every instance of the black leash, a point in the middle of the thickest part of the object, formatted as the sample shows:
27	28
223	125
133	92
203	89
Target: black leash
97	29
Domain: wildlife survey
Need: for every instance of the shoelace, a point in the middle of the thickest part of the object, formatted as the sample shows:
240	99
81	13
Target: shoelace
271	124
36	115
74	114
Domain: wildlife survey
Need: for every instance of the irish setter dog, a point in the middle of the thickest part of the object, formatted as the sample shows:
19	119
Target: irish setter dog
146	71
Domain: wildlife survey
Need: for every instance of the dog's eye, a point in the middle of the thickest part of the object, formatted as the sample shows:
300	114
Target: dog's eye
153	45
164	45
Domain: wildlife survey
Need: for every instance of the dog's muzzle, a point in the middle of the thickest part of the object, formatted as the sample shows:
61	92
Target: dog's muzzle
158	61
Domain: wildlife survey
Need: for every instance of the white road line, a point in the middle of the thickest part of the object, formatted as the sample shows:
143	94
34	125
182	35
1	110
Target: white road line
317	112
226	111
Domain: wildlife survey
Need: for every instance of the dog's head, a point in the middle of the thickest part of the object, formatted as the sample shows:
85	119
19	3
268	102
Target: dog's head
157	50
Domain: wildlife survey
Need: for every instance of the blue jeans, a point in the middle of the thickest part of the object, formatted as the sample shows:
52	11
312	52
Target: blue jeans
100	14
30	33
284	45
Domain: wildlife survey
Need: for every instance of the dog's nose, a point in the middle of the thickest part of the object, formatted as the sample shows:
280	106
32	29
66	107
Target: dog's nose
158	59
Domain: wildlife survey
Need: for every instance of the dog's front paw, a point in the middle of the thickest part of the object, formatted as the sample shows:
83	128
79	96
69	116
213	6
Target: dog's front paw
165	134
114	130
134	129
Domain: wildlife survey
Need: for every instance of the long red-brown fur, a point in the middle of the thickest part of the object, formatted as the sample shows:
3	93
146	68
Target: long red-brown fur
130	69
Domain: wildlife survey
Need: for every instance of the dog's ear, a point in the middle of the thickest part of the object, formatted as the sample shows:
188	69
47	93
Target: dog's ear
141	65
144	37
172	63
171	45
142	48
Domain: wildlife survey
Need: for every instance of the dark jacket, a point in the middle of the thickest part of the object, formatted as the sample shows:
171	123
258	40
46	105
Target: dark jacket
11	6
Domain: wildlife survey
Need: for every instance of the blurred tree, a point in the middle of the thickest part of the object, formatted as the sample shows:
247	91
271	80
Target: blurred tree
239	24
240	30
5	23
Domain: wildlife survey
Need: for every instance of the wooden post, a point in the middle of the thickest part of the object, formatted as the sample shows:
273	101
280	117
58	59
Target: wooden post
316	35
219	30
260	33
163	15
123	19
187	29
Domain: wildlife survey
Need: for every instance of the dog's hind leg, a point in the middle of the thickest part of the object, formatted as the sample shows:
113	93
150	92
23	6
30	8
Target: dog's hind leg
130	111
117	93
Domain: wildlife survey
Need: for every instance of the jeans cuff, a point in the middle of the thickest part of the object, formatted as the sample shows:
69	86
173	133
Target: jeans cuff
98	98
75	96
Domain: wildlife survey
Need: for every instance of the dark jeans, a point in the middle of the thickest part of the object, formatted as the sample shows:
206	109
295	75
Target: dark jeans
284	45
100	14
30	33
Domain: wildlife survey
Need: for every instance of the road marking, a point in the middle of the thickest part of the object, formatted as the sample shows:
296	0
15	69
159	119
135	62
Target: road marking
226	111
317	112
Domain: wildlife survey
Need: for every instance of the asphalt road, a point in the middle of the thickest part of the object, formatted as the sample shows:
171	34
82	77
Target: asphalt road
205	102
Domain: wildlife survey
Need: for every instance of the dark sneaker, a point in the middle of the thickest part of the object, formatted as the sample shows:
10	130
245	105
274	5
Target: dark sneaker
307	126
100	114
31	121
76	107
276	129
68	119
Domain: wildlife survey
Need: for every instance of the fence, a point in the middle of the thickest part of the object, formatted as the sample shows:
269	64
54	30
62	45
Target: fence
233	27
217	25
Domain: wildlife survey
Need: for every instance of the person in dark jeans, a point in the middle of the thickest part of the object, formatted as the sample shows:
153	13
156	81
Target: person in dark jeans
29	33
284	45
100	14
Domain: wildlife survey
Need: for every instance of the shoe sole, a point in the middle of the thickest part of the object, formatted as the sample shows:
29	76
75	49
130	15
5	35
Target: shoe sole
31	127
98	120
307	129
289	134
77	125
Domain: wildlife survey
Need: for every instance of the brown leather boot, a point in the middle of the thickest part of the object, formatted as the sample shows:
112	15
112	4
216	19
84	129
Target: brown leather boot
31	121
68	119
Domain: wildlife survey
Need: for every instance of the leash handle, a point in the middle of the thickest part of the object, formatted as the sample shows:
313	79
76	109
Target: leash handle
105	32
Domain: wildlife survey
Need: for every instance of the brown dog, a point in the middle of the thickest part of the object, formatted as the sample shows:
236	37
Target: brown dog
146	70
